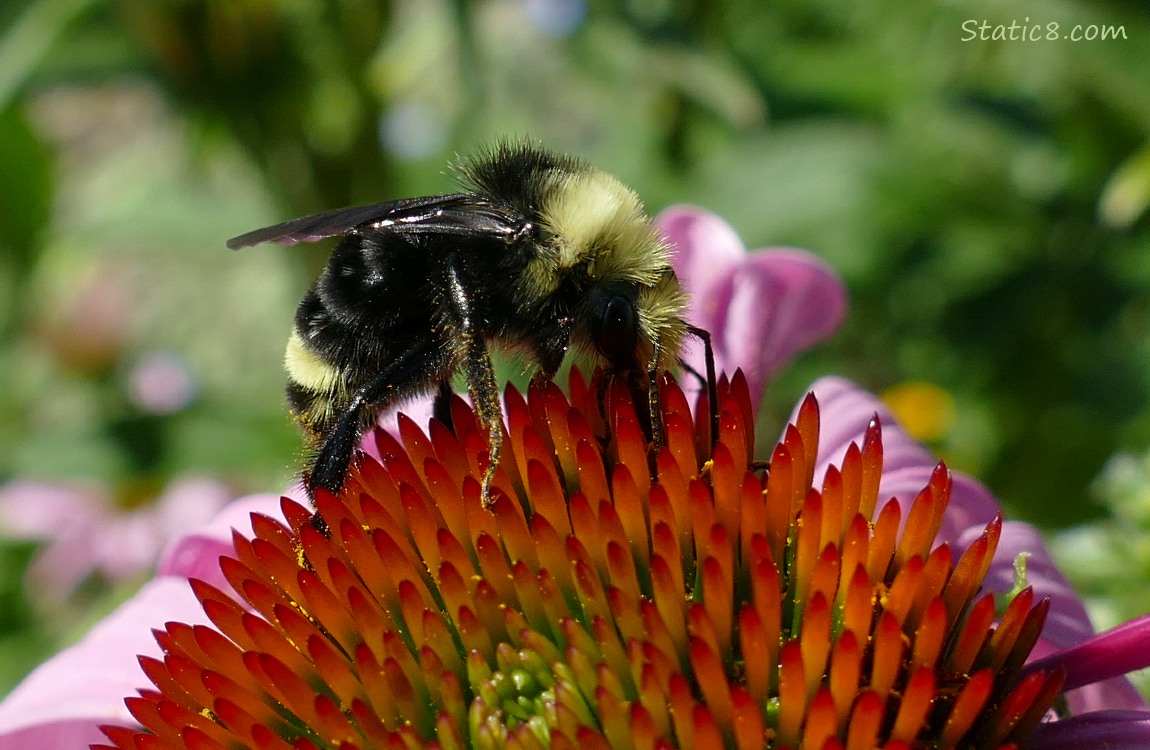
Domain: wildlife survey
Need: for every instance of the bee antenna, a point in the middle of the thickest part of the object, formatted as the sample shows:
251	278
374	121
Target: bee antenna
712	389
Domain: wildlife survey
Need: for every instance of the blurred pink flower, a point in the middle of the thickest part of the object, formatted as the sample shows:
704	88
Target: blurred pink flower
85	533
161	383
86	324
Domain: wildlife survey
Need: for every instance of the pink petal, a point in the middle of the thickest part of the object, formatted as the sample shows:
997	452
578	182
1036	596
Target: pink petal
1112	730
197	554
778	303
39	510
1115	693
61	704
705	250
761	308
1101	657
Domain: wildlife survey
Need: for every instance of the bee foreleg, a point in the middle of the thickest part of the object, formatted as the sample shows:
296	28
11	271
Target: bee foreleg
329	470
712	393
480	372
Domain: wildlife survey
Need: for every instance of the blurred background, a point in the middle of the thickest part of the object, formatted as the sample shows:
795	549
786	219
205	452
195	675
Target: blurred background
982	191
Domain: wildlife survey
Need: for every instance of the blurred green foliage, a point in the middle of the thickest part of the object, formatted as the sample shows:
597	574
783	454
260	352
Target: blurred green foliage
23	641
985	200
1109	559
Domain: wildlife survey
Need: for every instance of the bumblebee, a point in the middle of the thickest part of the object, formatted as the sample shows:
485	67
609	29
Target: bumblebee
537	253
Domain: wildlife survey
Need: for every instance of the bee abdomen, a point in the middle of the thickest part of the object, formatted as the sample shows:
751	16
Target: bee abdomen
315	412
308	368
316	389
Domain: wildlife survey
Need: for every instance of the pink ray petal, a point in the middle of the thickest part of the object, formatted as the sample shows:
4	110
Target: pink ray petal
61	703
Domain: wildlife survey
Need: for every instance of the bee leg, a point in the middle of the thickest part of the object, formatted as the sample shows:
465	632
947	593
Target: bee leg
686	367
712	391
480	372
605	378
484	392
441	407
653	400
329	470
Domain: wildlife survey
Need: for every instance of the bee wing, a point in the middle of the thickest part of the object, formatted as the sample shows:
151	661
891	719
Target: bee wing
460	213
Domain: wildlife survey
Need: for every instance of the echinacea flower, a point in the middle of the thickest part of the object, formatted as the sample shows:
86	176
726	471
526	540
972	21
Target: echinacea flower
594	606
598	604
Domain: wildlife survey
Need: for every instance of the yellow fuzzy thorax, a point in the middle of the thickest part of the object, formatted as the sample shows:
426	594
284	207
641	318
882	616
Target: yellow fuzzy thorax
596	221
597	224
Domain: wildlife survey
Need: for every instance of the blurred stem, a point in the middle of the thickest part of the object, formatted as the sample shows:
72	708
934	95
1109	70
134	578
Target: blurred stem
28	40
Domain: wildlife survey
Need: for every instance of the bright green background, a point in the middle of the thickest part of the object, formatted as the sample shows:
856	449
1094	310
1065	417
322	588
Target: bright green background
984	201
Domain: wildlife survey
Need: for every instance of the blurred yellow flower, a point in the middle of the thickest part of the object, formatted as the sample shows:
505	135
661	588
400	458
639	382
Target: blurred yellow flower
923	409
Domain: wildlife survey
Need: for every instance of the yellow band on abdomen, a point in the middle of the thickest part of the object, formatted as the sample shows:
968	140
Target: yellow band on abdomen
308	369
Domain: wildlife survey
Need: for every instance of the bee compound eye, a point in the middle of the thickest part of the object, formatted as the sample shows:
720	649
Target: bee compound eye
618	331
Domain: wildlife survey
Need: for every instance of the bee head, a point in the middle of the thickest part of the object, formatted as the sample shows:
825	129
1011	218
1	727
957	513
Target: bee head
611	318
599	241
633	326
594	254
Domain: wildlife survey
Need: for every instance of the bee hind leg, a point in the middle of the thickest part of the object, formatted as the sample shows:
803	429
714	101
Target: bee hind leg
405	372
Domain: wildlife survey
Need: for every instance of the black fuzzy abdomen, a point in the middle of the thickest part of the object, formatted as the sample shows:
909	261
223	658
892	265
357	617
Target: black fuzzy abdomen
374	302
